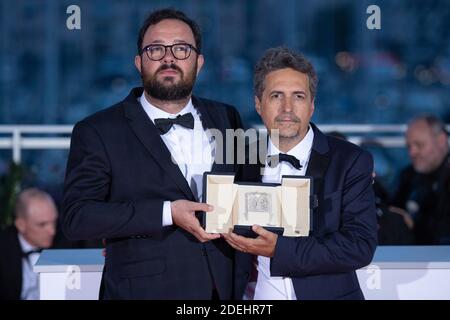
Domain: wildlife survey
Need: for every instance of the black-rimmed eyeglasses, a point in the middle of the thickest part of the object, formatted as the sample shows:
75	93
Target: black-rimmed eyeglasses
180	51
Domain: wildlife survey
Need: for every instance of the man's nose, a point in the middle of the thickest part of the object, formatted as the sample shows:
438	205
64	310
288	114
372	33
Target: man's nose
286	105
168	57
412	152
51	230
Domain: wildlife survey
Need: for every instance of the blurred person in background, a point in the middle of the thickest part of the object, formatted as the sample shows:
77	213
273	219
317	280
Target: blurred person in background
394	224
424	186
21	244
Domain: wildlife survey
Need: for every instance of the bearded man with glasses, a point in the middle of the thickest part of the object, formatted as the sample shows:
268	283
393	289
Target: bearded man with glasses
133	175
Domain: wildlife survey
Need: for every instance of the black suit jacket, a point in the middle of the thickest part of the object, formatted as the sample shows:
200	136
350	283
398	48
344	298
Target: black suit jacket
119	173
430	192
344	227
10	265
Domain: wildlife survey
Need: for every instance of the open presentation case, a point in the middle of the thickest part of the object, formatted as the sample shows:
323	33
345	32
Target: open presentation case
285	208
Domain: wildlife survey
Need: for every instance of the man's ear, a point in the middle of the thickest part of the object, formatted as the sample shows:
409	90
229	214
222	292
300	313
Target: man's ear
312	107
257	105
442	140
200	62
138	63
20	225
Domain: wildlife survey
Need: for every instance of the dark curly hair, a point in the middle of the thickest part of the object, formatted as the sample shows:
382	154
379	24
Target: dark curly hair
169	13
280	58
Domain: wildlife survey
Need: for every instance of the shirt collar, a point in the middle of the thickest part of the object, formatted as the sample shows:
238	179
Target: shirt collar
154	112
24	244
301	151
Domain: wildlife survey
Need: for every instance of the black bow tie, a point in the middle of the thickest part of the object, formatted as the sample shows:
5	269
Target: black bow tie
275	159
186	120
28	253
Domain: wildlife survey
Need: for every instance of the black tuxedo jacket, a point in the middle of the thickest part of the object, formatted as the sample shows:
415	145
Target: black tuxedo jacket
119	173
344	227
10	265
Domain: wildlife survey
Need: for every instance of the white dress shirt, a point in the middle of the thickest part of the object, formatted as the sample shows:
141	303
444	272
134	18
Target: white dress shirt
30	279
191	149
266	286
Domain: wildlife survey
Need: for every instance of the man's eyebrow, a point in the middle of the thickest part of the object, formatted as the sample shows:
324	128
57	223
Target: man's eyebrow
282	92
163	42
276	91
157	42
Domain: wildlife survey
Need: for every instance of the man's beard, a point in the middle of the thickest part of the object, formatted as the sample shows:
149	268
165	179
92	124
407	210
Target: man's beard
164	91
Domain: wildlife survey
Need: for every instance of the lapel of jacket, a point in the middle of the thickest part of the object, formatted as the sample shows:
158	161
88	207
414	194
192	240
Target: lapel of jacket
319	160
149	136
211	119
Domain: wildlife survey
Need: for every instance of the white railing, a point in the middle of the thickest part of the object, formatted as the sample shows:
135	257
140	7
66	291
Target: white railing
15	138
22	137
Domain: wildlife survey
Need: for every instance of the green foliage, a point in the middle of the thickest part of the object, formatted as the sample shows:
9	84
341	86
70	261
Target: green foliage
10	185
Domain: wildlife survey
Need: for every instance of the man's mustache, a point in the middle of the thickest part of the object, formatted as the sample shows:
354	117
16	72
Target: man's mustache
287	117
169	66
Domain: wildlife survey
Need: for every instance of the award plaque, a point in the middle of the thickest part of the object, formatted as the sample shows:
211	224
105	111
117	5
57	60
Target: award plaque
282	208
